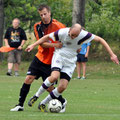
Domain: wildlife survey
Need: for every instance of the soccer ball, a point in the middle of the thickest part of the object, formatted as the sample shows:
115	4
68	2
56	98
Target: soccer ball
54	106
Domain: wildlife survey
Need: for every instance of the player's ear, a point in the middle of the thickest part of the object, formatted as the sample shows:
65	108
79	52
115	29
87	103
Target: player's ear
69	33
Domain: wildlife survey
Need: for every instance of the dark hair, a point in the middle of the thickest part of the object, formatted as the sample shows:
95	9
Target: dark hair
42	6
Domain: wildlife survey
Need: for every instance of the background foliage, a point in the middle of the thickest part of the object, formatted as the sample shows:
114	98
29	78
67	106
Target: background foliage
102	17
26	11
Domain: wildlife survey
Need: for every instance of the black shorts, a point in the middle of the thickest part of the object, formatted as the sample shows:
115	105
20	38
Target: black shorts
39	69
81	58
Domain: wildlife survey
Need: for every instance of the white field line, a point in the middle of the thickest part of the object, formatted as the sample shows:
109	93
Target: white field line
66	114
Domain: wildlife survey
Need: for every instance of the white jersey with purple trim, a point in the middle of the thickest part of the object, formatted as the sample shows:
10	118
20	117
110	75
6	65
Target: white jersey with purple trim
65	57
70	46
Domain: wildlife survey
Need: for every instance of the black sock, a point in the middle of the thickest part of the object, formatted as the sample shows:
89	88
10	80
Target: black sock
61	99
23	93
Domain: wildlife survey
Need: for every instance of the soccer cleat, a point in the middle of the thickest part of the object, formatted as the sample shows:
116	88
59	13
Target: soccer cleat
9	73
32	100
17	108
63	107
42	107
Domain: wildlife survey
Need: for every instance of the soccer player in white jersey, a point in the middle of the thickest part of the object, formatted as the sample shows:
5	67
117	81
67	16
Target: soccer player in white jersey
64	59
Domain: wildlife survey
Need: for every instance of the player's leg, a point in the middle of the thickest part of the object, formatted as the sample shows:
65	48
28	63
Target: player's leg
78	70
56	67
64	80
25	89
84	60
34	98
10	66
23	93
55	94
53	76
31	75
78	66
10	62
84	70
16	67
18	54
48	82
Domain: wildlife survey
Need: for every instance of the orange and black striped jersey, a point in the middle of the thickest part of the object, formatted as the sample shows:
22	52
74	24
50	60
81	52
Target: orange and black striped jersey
45	54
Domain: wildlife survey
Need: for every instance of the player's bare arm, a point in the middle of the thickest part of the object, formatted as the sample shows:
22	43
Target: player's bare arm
87	53
6	42
39	42
49	45
78	50
105	44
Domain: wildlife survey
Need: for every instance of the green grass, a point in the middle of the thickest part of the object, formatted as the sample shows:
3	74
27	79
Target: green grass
96	98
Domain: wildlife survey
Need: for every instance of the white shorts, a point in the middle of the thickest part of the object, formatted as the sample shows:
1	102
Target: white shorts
66	65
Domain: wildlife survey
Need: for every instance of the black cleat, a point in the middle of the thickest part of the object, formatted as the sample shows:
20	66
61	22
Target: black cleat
32	100
42	107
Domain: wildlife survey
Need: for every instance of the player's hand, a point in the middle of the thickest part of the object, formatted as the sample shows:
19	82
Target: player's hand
58	45
78	50
19	48
86	55
115	59
29	48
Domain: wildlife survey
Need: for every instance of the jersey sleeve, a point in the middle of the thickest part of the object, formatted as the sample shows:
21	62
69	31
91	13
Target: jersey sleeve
86	37
90	37
55	36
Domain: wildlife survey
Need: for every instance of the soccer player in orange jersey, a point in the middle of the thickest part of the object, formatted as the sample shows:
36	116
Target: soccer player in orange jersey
41	64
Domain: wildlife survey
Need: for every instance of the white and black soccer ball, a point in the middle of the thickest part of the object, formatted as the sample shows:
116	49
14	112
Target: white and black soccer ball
54	106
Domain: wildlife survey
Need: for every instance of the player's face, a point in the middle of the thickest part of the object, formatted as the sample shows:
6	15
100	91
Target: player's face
45	16
15	23
73	34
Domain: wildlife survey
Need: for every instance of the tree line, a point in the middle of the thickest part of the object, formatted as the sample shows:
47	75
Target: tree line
101	17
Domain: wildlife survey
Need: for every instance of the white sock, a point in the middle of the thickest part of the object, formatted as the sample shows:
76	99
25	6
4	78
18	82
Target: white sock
56	93
40	91
9	70
46	84
46	100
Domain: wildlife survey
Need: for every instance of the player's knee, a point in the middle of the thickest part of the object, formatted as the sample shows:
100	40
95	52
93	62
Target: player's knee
29	79
54	78
61	88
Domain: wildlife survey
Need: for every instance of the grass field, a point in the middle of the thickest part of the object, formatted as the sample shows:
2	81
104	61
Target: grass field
96	98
